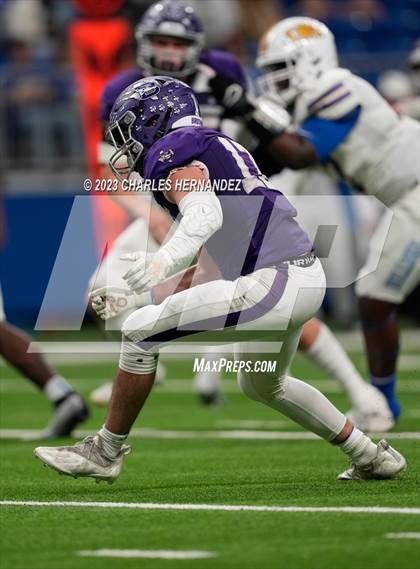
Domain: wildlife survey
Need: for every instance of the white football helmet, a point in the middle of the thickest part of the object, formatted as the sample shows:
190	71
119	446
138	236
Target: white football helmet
293	54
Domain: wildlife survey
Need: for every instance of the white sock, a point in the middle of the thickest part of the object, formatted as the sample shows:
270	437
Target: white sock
111	443
329	354
359	447
56	388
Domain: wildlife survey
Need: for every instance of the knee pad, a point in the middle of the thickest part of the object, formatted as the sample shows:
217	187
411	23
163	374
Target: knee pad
134	359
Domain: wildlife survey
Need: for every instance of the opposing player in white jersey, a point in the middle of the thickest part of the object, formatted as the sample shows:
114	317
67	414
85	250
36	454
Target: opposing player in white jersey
340	122
170	38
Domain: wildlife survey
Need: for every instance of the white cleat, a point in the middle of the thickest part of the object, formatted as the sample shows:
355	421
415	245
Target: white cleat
387	465
373	415
101	396
85	458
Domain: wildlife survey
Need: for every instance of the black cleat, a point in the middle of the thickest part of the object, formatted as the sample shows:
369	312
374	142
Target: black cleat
68	413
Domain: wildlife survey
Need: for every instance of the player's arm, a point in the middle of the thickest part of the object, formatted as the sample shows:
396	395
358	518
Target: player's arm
204	271
267	122
201	217
289	150
331	116
110	301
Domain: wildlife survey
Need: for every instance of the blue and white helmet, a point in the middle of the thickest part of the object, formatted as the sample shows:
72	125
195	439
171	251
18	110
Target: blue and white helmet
143	113
175	19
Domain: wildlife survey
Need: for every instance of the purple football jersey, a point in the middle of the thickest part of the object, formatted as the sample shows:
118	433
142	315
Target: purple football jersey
259	229
211	61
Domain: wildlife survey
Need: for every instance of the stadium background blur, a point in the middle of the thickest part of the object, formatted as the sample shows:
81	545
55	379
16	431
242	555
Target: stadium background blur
56	56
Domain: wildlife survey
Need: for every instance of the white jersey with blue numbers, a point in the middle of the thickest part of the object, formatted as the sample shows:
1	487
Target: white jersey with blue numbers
359	136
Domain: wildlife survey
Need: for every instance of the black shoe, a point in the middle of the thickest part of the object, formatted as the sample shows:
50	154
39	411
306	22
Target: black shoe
210	399
68	412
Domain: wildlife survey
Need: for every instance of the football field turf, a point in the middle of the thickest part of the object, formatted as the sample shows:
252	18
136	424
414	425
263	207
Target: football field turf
188	465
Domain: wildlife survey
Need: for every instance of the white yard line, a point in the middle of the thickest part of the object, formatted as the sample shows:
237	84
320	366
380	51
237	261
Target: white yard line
250	424
20	385
33	434
103	352
406	535
147	554
213	507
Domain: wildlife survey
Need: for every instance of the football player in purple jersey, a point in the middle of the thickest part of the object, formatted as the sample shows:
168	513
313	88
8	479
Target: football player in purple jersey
265	281
170	41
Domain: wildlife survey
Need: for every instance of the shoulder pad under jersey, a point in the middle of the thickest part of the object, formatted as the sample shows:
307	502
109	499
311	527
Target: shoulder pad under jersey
224	64
333	97
174	150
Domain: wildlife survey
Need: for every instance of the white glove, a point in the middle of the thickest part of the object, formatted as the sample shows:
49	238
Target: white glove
148	269
271	115
109	301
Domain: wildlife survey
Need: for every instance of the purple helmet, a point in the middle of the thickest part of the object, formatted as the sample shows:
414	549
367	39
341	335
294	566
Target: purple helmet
144	112
174	19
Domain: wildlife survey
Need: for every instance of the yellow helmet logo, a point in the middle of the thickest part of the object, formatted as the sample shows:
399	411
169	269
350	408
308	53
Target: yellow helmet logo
303	31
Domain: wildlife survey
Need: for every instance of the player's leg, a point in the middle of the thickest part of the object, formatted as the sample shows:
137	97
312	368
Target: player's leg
207	383
391	272
69	407
300	401
370	410
143	331
249	302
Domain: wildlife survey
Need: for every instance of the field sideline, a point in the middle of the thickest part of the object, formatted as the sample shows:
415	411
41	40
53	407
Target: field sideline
230	487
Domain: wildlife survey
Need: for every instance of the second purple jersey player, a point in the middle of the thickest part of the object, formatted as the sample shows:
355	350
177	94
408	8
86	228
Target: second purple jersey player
170	41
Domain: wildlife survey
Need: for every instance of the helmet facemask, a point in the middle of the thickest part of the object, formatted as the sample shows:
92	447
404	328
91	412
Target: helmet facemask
277	81
128	150
179	60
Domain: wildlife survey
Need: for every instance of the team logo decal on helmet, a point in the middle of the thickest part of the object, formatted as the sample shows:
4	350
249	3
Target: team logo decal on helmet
143	113
148	91
303	31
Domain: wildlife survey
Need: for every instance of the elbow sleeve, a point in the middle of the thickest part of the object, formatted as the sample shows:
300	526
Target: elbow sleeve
201	217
